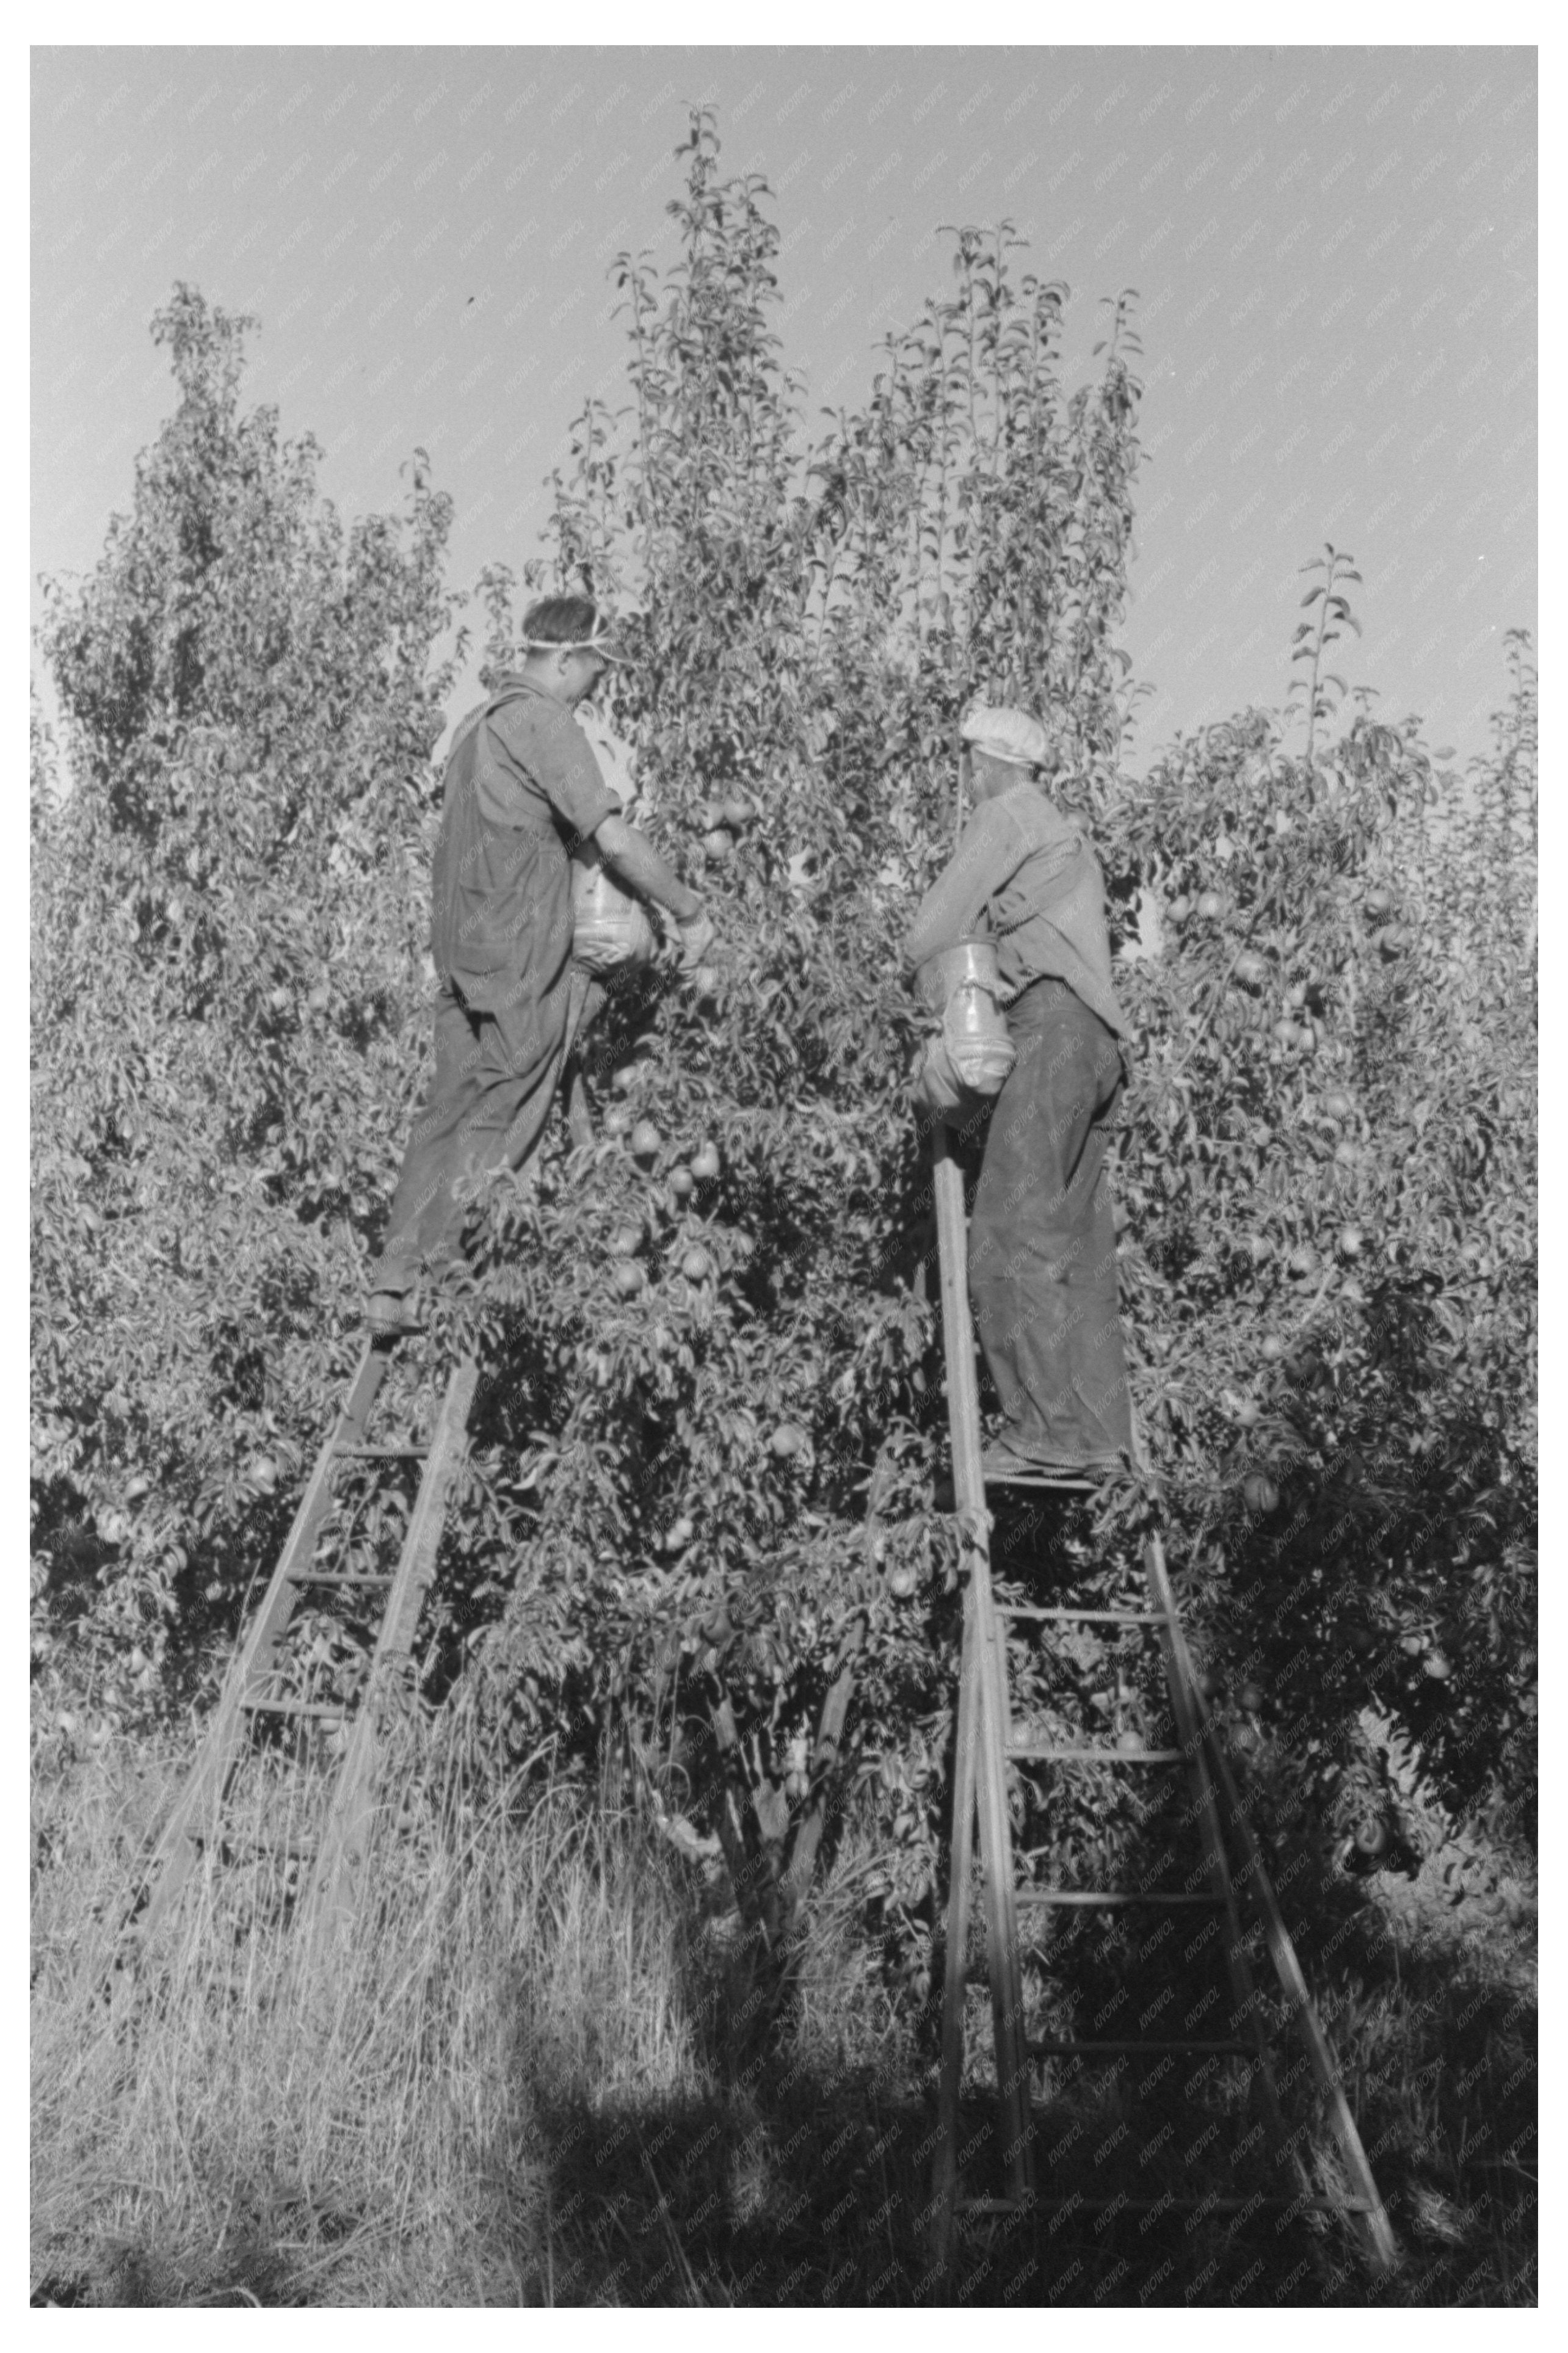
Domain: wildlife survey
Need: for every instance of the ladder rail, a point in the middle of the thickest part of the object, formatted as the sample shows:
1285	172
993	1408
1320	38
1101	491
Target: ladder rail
955	1981
983	1745
1238	1964
346	1832
173	1857
170	1858
989	1711
1377	2229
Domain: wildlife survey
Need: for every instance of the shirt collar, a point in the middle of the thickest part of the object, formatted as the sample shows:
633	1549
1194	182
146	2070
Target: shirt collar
515	682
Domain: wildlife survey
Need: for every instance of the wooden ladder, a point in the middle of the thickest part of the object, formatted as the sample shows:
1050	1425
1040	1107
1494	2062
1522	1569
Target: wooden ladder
255	1696
1232	1863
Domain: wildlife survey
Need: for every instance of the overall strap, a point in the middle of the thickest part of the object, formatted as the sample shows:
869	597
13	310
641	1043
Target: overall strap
477	718
479	714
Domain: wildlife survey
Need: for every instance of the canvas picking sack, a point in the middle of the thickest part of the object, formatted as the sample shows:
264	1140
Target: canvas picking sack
610	925
966	1066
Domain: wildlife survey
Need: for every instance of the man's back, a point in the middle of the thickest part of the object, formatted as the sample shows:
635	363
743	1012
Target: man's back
520	784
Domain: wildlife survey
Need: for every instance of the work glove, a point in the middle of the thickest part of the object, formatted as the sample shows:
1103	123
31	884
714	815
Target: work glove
696	937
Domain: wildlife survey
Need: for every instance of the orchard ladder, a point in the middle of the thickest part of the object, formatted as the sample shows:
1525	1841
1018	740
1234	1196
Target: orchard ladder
255	1694
985	1745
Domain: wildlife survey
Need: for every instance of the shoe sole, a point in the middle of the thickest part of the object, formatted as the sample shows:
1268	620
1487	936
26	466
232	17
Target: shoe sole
390	1327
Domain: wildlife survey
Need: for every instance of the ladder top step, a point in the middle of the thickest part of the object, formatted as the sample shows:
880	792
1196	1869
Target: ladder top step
340	1576
298	1849
1086	1617
296	1707
1092	1898
1260	2204
1074	1482
1036	1752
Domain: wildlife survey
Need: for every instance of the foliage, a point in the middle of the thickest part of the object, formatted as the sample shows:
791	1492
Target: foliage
811	628
703	1495
231	904
1298	1225
1322	690
1329	1176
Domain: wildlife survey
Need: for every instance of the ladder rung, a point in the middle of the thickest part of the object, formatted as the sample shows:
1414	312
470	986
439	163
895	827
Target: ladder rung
1260	2204
1049	2050
261	1672
1086	1617
342	1576
1041	1479
1034	1753
1094	1899
296	1707
296	1849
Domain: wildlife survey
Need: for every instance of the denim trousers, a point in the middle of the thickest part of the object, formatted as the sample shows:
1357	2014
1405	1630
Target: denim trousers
485	1109
1042	1264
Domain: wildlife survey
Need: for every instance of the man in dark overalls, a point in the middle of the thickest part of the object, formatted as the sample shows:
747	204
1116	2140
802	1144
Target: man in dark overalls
522	790
1043	1270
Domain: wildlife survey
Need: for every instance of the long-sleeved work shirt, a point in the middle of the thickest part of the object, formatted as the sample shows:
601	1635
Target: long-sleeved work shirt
1032	871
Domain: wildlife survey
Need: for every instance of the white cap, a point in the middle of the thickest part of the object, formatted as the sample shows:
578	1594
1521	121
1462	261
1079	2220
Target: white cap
1010	735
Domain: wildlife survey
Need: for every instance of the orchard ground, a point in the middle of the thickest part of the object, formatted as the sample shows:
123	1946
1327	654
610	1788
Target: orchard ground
556	2074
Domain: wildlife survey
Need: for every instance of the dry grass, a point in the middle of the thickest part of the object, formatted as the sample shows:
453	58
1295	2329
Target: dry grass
535	2073
356	2124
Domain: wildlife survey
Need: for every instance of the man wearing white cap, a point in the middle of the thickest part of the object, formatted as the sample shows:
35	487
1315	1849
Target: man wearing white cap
522	789
1042	1271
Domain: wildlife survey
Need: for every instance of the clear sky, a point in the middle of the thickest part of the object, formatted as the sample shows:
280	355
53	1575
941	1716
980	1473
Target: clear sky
1335	249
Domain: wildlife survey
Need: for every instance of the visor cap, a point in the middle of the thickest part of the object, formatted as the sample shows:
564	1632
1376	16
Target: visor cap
1011	735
